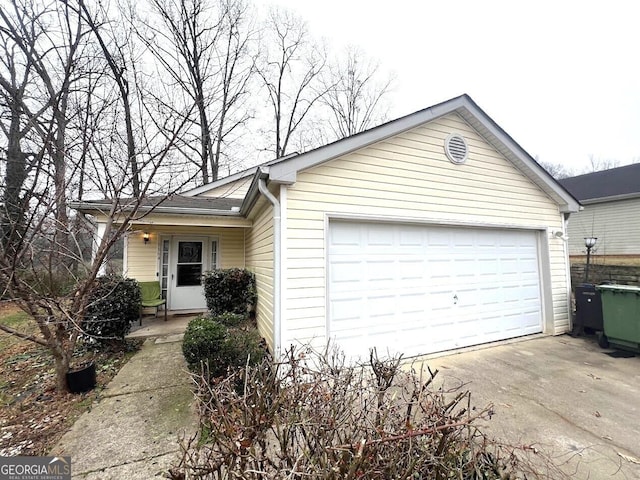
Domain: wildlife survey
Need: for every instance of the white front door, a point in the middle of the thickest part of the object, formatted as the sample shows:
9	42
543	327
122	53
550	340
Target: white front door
189	260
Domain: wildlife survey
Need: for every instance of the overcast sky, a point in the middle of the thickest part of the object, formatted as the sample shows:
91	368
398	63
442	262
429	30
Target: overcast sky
561	77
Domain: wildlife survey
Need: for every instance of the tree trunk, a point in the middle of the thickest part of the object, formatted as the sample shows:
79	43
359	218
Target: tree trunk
62	367
131	144
12	218
205	142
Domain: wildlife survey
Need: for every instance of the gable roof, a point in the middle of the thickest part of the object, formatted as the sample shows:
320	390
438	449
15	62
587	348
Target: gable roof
284	171
232	178
220	182
613	184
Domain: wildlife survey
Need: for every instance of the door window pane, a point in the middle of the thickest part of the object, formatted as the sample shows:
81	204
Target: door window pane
164	279
214	254
189	275
189	252
189	265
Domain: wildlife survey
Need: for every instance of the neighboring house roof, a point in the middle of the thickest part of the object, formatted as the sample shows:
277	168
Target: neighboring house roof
613	184
175	204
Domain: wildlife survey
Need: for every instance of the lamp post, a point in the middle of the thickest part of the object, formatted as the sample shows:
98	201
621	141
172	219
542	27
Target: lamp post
589	242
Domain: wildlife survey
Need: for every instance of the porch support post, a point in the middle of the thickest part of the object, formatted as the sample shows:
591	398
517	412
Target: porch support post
97	240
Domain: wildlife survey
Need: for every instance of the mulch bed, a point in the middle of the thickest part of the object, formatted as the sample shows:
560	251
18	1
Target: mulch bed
33	415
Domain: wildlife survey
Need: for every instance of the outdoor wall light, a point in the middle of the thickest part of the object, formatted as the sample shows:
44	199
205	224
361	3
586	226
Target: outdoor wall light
145	237
589	242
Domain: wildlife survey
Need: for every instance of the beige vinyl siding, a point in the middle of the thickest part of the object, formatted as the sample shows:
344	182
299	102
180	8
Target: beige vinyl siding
408	176
143	259
616	224
237	189
259	259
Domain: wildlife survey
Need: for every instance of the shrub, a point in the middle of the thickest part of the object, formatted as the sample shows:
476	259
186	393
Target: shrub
113	305
208	341
315	416
231	319
229	290
243	344
204	340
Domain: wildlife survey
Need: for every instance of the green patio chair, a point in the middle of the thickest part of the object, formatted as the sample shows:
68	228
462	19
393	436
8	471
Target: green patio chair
151	296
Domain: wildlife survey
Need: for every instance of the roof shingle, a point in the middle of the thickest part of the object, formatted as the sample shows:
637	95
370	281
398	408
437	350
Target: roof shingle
607	183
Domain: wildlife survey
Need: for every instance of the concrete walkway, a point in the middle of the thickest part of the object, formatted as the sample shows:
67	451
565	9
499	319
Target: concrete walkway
133	431
157	327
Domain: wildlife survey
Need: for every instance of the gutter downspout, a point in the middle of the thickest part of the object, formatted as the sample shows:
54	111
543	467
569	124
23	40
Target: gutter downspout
262	187
565	238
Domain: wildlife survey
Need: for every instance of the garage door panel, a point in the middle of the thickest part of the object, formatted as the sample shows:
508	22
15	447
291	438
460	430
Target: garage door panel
412	269
345	270
411	237
380	270
422	289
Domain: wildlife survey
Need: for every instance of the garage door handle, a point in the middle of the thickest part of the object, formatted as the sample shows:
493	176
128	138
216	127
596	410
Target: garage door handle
455	299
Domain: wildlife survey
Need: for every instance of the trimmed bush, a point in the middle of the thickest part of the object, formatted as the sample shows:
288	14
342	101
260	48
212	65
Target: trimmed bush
243	344
208	341
231	319
229	290
113	305
204	341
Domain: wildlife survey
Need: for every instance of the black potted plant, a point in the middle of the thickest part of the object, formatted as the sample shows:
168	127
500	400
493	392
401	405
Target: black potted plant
82	377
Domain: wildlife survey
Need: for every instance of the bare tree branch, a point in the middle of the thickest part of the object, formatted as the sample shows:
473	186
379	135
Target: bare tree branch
63	96
355	94
290	70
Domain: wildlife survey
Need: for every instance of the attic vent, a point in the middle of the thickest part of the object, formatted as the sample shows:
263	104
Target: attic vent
456	148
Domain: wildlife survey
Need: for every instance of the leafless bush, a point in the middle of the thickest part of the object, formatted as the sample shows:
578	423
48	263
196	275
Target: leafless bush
316	417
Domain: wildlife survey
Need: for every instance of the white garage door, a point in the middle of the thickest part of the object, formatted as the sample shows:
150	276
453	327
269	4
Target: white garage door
415	290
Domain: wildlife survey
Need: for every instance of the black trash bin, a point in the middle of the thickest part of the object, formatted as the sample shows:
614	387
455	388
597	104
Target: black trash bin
588	309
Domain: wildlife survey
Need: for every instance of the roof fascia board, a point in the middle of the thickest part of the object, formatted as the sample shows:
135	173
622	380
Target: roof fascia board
508	147
104	208
286	171
219	183
611	198
253	192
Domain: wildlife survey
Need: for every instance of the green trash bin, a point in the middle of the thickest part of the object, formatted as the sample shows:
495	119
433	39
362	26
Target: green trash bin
621	316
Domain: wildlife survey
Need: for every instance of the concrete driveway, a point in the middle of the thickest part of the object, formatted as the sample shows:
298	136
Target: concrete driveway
566	395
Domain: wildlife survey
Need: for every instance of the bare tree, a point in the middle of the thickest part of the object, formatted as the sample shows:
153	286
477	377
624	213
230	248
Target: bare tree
204	47
236	73
62	52
14	80
355	94
290	70
556	170
50	57
113	49
598	164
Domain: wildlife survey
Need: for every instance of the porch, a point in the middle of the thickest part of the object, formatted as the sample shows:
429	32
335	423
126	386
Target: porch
178	255
153	326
